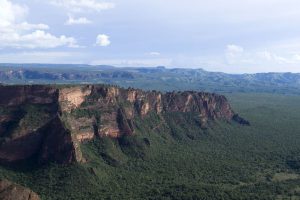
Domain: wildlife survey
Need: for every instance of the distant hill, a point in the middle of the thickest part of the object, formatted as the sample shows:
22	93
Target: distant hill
158	78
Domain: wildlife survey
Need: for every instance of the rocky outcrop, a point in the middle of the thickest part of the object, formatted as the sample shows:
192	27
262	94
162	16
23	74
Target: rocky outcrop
50	122
11	191
72	97
85	136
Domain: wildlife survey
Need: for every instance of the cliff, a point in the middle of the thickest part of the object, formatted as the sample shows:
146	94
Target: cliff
11	191
50	122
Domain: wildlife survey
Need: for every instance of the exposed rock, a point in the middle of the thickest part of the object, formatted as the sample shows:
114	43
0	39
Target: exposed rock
13	150
34	94
85	136
145	108
73	97
112	92
109	126
125	124
131	96
79	113
57	145
52	142
11	191
158	105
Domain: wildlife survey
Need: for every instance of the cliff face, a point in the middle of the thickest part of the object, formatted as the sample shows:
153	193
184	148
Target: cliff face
50	122
131	103
11	191
17	95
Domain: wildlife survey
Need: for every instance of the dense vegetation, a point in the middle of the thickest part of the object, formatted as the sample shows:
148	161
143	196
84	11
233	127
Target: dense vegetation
224	161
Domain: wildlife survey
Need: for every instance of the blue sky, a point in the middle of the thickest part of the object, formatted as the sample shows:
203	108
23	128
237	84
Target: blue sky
235	36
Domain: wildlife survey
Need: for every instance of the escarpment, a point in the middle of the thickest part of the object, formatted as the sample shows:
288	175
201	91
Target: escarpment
48	123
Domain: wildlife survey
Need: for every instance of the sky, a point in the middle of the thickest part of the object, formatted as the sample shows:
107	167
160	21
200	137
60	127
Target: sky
233	36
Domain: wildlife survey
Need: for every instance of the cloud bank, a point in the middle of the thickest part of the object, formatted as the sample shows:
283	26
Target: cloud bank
16	32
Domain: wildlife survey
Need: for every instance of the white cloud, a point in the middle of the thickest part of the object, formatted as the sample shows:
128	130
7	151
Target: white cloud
36	39
83	5
27	26
234	50
75	21
16	32
154	53
142	62
296	57
39	39
11	12
102	40
273	59
266	55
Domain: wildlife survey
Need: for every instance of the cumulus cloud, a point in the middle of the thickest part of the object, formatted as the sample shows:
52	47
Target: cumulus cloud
36	39
102	40
16	32
76	21
11	12
83	5
39	39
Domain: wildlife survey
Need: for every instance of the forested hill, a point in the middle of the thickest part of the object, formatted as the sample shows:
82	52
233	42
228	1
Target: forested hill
158	78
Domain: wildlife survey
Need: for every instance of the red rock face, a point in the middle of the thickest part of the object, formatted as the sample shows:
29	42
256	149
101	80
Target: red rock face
48	141
209	106
21	148
126	104
52	142
58	144
71	117
16	95
11	191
